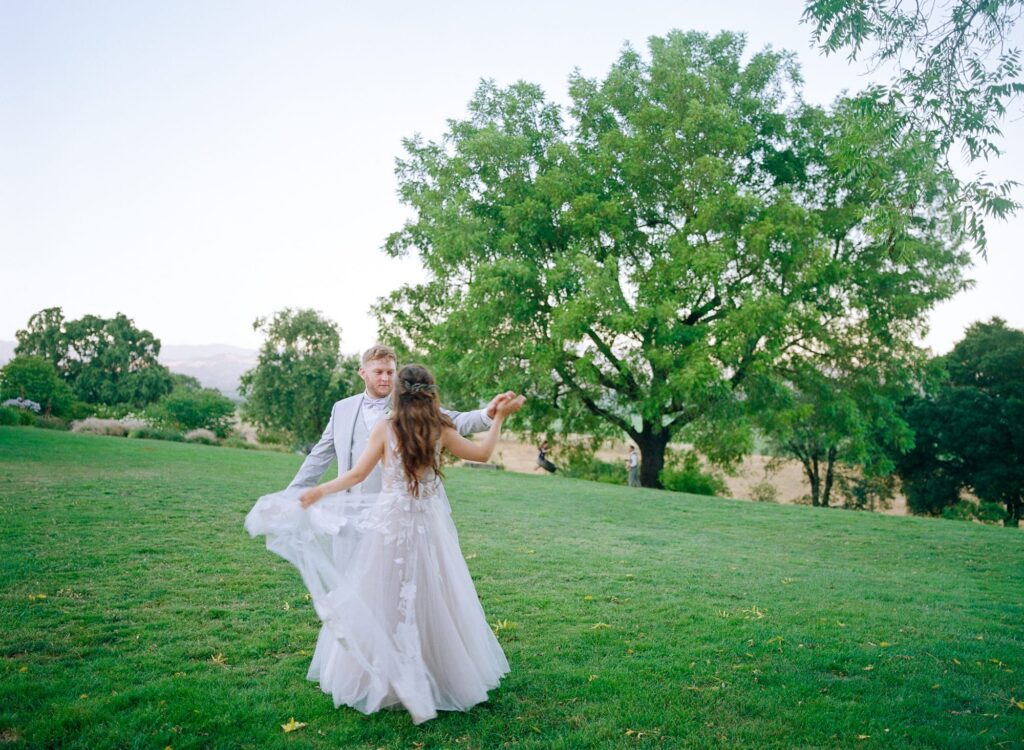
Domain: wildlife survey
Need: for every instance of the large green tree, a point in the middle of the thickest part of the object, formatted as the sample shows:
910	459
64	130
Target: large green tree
955	70
104	360
299	374
633	265
969	426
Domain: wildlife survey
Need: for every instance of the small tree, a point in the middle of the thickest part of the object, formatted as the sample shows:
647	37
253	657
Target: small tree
187	408
969	426
838	416
36	379
298	377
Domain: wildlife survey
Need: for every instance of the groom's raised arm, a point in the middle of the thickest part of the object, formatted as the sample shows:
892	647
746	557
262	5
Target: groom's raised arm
318	460
469	422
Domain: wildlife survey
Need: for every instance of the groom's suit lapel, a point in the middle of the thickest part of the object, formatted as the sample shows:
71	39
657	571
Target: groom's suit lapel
347	417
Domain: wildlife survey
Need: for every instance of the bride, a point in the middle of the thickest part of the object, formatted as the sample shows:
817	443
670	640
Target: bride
403	624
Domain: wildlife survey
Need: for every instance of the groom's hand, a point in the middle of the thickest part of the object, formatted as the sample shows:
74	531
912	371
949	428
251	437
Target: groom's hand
510	401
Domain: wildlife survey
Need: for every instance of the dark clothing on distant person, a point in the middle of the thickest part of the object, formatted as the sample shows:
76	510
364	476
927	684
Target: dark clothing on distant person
542	460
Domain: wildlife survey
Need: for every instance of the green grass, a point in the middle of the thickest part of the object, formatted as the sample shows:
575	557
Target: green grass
636	618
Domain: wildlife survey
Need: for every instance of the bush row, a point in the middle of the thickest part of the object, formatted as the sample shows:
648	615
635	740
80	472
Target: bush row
131	428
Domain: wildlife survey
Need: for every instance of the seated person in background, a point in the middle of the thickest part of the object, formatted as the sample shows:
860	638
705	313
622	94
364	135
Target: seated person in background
542	460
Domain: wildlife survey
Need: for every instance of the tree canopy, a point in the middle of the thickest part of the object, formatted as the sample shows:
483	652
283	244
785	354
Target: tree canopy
299	375
104	360
969	425
686	227
956	74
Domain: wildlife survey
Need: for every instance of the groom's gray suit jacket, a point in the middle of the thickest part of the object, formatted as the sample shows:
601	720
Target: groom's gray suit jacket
345	436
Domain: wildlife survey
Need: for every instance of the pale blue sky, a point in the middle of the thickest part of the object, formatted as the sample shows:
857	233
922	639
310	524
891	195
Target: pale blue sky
197	164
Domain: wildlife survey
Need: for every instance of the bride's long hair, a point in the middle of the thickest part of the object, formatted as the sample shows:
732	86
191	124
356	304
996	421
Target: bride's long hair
418	422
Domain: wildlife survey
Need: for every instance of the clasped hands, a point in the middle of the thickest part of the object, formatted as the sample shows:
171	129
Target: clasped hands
504	404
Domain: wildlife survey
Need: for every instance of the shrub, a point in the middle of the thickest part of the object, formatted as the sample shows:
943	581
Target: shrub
764	492
52	423
870	492
23	403
961	511
193	409
97	426
206	437
991	512
579	462
683	473
275	437
236	442
156	433
968	510
8	416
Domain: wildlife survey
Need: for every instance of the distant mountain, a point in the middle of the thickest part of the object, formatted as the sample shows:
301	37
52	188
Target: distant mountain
214	365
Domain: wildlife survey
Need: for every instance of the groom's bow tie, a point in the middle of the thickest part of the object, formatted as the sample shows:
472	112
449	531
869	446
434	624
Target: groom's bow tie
379	404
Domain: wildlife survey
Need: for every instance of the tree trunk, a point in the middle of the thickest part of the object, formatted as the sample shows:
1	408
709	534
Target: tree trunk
811	470
1013	507
652	444
826	495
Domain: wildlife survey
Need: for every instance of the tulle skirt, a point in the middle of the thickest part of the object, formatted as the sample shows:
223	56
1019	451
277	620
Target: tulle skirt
402	624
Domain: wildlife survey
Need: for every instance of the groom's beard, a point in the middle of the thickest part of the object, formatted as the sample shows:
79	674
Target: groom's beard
374	393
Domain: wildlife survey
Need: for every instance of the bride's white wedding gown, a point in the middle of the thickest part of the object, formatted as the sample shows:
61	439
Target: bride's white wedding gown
402	624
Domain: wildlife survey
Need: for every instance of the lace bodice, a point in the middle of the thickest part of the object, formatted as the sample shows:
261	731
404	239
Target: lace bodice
393	473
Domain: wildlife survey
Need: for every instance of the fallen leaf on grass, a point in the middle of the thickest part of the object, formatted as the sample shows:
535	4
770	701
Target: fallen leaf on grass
292	725
637	734
23	669
754	612
83	696
502	625
592	678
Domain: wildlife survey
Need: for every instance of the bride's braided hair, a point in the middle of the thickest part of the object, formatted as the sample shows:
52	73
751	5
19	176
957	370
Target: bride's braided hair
418	423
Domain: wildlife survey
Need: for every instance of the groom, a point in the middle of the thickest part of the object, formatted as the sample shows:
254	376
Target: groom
352	419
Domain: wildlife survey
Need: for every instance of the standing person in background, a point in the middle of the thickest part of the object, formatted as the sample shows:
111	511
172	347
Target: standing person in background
633	467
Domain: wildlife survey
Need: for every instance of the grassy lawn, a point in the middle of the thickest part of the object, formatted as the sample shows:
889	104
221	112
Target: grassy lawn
136	612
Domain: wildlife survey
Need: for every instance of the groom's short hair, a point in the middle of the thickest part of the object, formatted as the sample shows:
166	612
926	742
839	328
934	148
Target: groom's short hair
378	351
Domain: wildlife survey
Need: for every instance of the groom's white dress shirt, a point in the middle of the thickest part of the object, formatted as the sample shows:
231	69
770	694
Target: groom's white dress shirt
348	430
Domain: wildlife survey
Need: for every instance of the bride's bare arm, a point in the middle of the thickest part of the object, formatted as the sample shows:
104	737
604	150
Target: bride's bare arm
373	453
470	451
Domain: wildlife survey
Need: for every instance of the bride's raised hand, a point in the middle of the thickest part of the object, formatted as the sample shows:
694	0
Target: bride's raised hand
310	496
509	405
